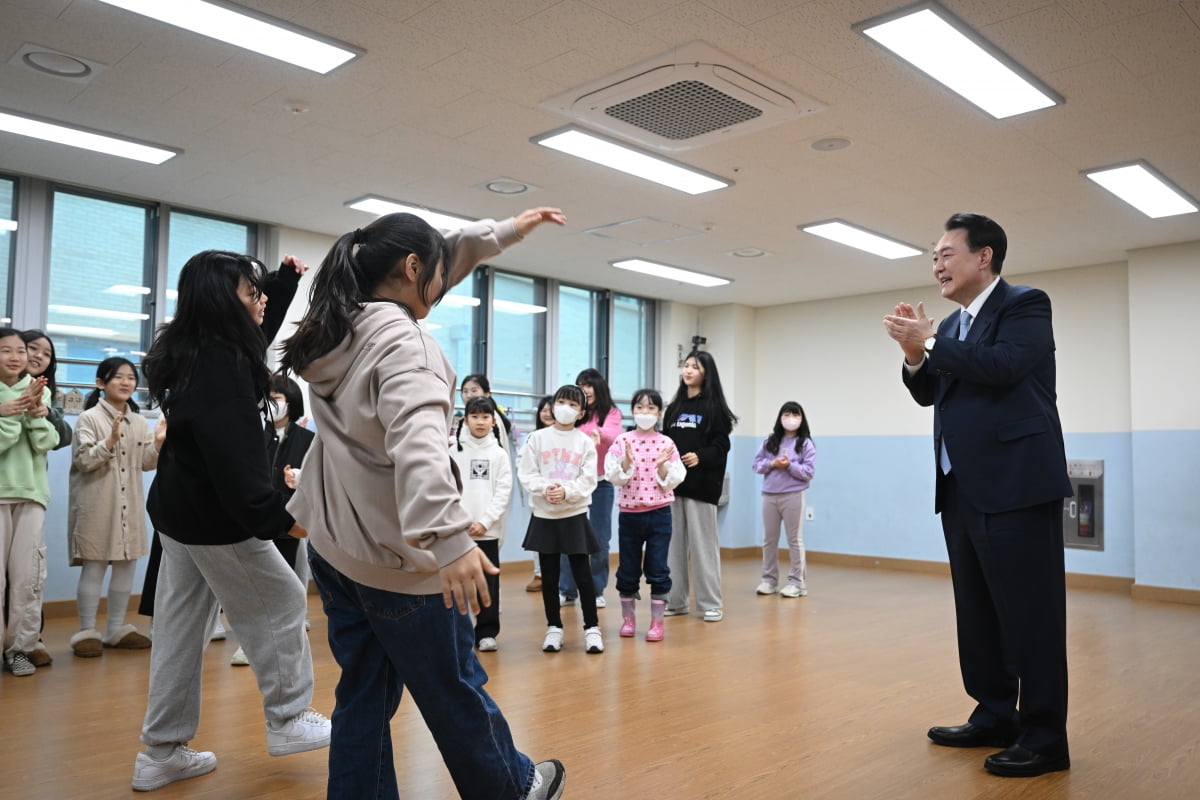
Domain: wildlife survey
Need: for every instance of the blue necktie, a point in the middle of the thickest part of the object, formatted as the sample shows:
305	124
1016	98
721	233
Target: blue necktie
964	325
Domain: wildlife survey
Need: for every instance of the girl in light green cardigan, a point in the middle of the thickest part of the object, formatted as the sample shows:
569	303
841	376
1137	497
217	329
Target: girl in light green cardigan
26	435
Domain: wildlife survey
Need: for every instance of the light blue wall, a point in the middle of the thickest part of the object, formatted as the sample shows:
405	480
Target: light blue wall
1166	485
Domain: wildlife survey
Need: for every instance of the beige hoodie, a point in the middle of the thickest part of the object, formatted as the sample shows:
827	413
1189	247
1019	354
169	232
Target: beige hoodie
378	494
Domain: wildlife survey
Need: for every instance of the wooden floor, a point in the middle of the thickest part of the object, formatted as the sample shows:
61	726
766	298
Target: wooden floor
827	696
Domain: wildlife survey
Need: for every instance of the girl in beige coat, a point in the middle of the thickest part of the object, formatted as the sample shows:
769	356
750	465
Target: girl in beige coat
106	522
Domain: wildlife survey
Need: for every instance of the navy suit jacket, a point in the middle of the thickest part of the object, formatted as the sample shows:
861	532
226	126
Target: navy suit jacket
994	403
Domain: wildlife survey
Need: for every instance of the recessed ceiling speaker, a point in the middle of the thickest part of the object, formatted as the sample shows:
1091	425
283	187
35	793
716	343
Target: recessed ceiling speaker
688	97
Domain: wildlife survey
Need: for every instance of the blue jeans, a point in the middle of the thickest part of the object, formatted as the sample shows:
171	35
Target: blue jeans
652	530
384	642
600	515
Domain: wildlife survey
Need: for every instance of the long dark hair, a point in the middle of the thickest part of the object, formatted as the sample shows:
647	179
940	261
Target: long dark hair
548	400
777	434
105	372
209	313
602	403
51	373
717	414
481	380
351	273
478	405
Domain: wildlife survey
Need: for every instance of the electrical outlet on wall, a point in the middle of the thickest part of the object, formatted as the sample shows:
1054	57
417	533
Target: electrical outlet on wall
809	512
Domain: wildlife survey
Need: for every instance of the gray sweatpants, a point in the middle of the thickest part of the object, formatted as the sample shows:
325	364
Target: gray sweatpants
694	533
264	602
788	509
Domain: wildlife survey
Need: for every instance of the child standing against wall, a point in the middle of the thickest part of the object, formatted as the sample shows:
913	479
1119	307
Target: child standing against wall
26	435
113	446
558	469
486	474
787	460
645	465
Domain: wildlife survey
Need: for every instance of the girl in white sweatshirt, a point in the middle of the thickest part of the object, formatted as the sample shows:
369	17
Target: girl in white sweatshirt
486	474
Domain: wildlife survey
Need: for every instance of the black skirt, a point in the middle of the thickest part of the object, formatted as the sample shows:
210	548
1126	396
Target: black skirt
572	536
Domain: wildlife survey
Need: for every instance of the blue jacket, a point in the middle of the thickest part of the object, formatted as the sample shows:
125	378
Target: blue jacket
994	403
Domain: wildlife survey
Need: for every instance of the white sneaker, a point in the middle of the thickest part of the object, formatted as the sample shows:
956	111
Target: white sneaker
563	600
593	640
488	645
308	730
554	639
218	632
183	763
766	588
792	590
714	615
239	659
549	778
601	602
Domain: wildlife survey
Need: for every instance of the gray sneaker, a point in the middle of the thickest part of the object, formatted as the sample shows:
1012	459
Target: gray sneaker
549	778
20	665
183	763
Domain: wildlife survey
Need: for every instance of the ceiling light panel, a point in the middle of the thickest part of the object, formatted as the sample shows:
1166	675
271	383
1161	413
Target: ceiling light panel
59	133
945	48
381	205
1144	188
670	273
623	158
842	232
243	28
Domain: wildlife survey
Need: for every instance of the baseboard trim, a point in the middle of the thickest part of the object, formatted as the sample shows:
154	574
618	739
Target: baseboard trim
1166	594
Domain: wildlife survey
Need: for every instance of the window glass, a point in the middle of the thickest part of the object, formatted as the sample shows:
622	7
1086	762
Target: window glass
189	233
632	360
97	303
518	343
8	237
582	331
453	322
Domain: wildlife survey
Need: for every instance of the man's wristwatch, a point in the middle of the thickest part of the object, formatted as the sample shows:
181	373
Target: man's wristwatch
930	342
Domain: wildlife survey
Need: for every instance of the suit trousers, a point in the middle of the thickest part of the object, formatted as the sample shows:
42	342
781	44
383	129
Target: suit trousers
1010	602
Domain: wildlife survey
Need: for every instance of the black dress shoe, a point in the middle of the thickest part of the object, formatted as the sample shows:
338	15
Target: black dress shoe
968	735
1017	762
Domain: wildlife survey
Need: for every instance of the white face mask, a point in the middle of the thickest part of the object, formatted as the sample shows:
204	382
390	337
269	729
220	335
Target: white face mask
645	422
565	414
791	424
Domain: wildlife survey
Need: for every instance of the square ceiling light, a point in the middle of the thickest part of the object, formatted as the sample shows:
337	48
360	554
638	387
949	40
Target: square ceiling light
1144	188
946	49
610	153
249	30
853	236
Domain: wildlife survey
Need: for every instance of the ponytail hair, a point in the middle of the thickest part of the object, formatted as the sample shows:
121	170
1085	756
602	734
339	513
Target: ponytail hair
105	372
357	264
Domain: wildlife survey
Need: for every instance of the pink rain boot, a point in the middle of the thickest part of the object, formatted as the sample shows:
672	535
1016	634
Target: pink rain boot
628	621
657	609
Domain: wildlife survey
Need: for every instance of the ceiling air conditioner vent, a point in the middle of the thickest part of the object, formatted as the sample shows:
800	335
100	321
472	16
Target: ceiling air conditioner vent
689	97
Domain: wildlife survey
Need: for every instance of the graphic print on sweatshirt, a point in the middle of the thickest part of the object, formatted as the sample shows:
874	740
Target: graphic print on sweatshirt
562	464
688	421
481	469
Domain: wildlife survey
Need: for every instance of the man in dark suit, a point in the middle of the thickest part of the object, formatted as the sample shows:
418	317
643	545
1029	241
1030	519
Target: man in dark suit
988	371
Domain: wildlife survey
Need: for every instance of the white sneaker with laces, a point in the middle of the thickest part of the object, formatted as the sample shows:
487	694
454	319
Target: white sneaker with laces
564	601
488	645
183	763
549	778
792	590
554	639
218	632
239	659
593	640
714	615
766	588
601	602
308	730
